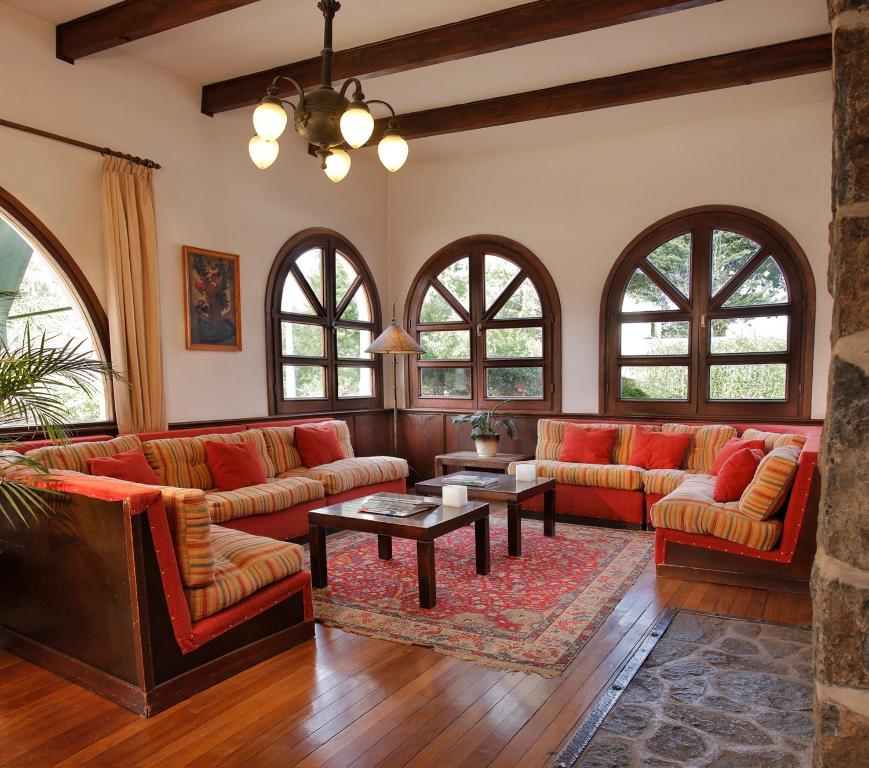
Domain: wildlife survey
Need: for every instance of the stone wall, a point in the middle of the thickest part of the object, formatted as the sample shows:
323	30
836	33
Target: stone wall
840	582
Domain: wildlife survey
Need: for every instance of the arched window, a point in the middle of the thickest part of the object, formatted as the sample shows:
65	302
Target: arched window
42	289
486	312
709	312
323	312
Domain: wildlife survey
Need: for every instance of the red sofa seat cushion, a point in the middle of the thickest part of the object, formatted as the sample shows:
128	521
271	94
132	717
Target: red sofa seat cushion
587	446
731	447
657	450
318	444
234	465
736	474
128	465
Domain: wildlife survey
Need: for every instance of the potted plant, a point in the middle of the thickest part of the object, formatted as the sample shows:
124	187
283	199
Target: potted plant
34	380
485	426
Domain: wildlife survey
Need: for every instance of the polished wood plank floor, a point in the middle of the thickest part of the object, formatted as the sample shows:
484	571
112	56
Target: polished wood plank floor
347	701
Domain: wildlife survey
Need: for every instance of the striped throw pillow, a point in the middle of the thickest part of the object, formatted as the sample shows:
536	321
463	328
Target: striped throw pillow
706	441
74	456
773	440
771	483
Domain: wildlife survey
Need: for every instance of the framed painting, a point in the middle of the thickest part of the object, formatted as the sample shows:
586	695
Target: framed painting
212	310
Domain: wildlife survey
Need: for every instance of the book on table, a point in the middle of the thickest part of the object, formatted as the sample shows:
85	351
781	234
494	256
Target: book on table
472	481
394	505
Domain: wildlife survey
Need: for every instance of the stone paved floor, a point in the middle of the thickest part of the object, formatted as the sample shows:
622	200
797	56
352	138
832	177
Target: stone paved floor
714	693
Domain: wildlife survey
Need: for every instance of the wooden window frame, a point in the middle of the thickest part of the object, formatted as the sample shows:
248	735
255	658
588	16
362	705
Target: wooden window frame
800	309
90	305
479	320
331	242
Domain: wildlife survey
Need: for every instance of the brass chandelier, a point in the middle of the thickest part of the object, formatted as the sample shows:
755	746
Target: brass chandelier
325	118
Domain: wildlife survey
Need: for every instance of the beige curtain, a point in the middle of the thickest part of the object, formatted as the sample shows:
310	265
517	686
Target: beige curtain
130	244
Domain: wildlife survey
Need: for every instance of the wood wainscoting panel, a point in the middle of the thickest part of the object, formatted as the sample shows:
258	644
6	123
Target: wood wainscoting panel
420	439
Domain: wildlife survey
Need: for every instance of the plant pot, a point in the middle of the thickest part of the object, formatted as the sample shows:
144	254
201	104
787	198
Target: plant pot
487	445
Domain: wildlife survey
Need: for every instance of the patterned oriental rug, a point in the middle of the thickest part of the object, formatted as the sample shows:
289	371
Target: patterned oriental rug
532	613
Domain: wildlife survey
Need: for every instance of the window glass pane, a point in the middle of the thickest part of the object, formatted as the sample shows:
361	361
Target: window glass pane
352	344
445	345
445	382
667	338
514	342
46	304
301	340
642	295
673	261
304	381
498	274
748	382
765	286
523	304
345	274
293	299
355	382
359	307
730	253
455	279
436	309
654	382
310	264
515	383
749	334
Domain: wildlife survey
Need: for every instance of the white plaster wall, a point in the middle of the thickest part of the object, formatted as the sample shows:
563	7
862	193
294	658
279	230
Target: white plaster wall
208	194
577	205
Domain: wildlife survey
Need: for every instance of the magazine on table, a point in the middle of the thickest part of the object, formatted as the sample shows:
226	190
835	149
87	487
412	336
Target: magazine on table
473	481
394	505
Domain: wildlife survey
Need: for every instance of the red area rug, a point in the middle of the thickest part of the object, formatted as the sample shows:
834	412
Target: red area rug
532	613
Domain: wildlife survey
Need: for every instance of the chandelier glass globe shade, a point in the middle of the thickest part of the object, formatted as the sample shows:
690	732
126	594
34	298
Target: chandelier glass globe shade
392	151
357	125
262	152
337	164
269	120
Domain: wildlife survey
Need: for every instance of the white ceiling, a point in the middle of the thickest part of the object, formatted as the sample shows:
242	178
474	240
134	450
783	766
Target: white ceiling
272	32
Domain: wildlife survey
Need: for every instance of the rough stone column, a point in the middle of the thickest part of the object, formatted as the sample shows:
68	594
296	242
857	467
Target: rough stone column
840	581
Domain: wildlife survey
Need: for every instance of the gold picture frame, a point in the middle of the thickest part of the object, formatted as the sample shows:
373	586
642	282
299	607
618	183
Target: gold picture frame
212	300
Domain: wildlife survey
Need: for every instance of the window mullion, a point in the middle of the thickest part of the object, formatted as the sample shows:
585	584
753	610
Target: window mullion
701	257
477	295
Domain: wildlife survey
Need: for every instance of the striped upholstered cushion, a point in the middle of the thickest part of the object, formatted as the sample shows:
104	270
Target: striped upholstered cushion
191	534
74	456
706	441
281	444
691	508
550	437
242	564
664	481
182	462
774	439
347	474
261	499
771	483
620	476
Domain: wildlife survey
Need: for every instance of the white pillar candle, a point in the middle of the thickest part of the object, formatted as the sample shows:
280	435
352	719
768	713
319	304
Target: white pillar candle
455	495
526	473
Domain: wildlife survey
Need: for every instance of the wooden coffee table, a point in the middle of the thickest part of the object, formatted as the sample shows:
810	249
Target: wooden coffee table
511	491
423	528
464	459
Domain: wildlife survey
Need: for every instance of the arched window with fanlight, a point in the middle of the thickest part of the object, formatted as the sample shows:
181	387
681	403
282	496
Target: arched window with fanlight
709	312
45	294
323	312
486	313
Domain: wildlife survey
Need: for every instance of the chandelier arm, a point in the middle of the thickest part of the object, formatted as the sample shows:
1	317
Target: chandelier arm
385	104
273	89
351	81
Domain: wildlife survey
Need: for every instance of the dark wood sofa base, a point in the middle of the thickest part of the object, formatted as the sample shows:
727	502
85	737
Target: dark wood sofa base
732	578
598	522
164	695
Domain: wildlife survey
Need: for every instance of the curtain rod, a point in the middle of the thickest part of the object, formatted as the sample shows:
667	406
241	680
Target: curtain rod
76	143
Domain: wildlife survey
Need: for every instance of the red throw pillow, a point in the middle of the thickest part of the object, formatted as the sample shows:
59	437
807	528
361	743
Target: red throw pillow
659	450
587	446
731	447
318	444
234	465
129	465
736	474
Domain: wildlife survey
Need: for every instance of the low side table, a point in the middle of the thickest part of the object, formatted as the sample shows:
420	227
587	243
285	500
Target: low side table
465	459
509	490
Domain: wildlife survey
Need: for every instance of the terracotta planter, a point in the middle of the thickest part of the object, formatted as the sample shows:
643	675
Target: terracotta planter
487	445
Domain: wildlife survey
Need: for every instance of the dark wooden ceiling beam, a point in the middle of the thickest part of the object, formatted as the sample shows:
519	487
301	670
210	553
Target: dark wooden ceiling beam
511	27
756	65
131	20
